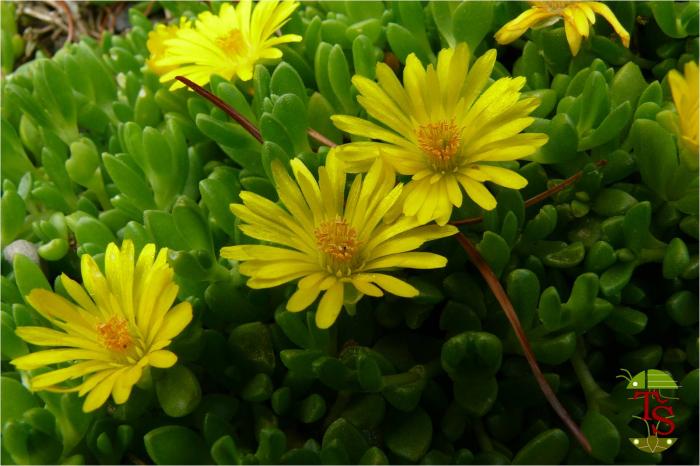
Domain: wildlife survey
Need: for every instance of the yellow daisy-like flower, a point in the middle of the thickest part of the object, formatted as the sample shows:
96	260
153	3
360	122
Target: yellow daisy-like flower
228	44
684	89
443	130
578	18
334	245
112	332
156	45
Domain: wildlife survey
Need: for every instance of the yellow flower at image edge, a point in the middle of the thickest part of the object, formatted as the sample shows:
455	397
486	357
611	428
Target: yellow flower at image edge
228	44
684	89
443	130
156	45
110	333
333	245
578	18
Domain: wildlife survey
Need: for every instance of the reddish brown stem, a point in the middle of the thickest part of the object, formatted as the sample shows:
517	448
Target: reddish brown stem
243	121
504	301
561	186
538	198
230	111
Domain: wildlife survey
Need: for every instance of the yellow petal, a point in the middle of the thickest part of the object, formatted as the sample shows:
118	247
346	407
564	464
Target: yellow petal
409	241
360	127
291	195
364	286
393	285
573	38
380	106
389	82
409	260
78	294
96	284
330	306
358	156
276	269
273	215
578	20
317	279
414	83
58	310
517	27
302	298
603	10
143	264
100	393
54	356
503	176
453	191
174	322
43	336
126	278
478	193
162	359
416	193
124	384
47	379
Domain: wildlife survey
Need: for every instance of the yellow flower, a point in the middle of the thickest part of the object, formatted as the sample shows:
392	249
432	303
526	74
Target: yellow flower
685	96
228	44
443	130
578	18
334	245
112	332
156	45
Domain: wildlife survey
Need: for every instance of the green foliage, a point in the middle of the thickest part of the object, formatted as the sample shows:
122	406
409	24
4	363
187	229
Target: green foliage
602	274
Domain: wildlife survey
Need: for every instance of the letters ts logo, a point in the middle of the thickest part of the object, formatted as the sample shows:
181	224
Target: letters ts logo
655	388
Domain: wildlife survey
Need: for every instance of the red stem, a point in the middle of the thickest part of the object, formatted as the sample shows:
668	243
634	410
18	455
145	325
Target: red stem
502	297
243	121
230	111
538	198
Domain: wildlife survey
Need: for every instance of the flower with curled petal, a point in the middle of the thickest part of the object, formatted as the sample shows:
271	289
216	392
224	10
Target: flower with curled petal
578	18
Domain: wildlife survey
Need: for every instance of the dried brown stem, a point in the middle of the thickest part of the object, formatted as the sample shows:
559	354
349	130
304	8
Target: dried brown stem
538	198
69	18
507	306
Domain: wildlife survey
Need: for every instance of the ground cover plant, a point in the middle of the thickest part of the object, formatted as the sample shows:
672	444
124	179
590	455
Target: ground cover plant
349	232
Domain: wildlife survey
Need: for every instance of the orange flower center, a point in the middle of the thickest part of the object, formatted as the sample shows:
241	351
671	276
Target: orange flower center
115	334
337	239
440	141
232	42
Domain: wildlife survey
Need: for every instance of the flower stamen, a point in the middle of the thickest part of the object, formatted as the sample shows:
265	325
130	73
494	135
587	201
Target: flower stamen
233	43
115	334
337	239
440	141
